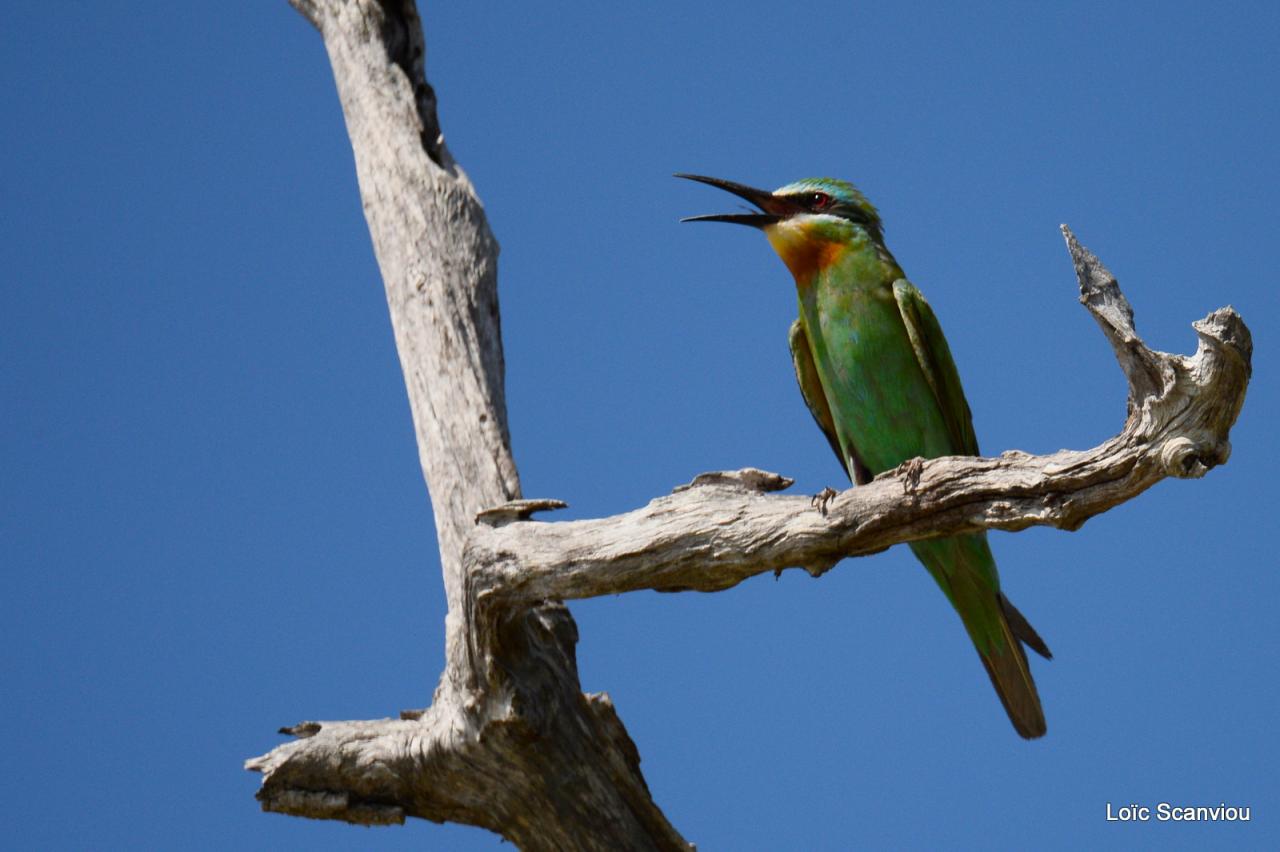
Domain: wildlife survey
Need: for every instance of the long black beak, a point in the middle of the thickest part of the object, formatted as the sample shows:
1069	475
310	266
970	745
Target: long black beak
774	209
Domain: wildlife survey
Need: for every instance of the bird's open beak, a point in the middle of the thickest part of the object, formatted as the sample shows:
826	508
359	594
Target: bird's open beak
774	209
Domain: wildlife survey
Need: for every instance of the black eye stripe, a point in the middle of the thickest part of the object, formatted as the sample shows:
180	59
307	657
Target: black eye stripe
819	202
816	201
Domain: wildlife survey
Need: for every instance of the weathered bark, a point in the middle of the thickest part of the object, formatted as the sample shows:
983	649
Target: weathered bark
509	742
525	753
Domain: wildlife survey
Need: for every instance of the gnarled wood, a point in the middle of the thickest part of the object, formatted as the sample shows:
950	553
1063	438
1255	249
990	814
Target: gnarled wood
509	742
522	752
723	528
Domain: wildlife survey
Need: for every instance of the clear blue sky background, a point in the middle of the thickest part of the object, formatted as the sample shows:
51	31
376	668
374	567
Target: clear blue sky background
212	521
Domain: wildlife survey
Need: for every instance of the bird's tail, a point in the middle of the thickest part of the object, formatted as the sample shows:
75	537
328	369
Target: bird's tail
1010	674
996	627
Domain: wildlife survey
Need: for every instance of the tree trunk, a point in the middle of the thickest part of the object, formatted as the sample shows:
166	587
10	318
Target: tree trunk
509	742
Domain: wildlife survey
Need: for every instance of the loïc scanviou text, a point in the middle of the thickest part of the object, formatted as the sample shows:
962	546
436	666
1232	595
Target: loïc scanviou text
1170	812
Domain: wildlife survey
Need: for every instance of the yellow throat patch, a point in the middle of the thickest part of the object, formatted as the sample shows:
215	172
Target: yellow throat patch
805	253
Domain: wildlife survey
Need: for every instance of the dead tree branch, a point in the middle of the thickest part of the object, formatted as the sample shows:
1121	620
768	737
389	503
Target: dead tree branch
509	742
723	528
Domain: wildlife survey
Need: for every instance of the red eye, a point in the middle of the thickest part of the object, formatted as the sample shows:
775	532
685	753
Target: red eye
819	200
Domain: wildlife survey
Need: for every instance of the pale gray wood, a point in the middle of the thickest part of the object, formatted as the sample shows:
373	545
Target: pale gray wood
522	752
509	742
725	527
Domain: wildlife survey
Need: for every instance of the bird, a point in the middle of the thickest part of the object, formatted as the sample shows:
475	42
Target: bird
879	379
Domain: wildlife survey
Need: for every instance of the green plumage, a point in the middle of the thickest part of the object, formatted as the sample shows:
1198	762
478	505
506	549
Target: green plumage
880	381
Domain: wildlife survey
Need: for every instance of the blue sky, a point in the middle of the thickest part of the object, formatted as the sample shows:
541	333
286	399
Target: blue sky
213	521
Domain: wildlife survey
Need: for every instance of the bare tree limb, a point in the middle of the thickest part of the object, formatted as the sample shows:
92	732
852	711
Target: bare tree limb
509	742
525	754
723	528
308	10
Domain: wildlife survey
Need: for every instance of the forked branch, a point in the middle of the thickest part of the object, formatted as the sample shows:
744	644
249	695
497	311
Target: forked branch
509	742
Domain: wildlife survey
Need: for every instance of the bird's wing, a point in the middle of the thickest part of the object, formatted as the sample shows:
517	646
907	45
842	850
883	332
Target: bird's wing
814	397
939	368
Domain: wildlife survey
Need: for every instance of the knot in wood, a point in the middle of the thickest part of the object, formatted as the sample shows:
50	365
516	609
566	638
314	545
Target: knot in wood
1186	459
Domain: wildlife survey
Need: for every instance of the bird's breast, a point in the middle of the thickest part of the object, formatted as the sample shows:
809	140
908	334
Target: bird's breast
884	408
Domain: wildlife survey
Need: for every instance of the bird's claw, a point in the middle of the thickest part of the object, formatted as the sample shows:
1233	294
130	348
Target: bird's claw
820	500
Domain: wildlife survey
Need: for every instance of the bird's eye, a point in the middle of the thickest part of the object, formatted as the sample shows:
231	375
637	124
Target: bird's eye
819	200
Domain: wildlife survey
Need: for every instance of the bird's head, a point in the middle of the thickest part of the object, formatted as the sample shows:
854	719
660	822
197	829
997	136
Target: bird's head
809	223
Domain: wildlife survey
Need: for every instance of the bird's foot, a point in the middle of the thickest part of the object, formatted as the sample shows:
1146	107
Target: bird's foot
820	500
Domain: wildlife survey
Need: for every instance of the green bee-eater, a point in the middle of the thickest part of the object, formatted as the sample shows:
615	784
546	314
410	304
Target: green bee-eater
880	381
